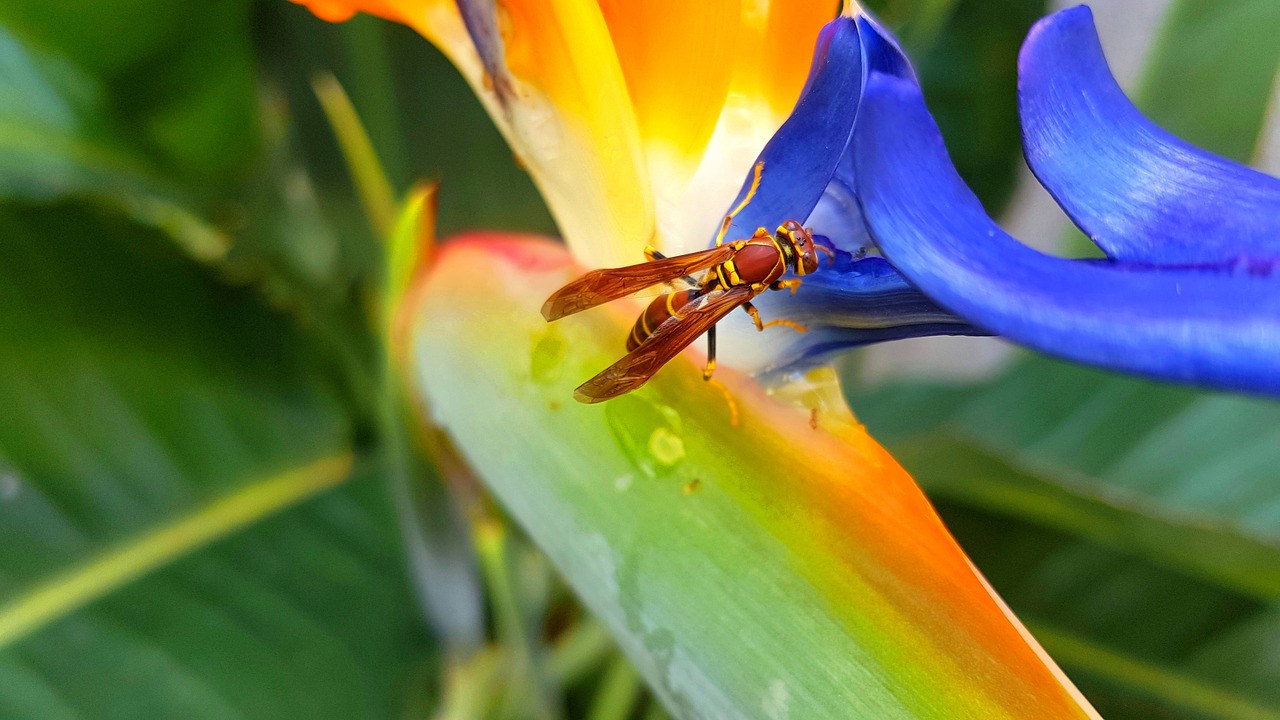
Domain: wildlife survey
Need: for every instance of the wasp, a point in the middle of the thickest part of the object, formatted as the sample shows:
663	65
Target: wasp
733	274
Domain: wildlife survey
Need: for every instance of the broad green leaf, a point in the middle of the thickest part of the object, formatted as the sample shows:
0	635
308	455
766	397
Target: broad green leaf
764	569
1143	642
60	134
179	74
448	136
1185	478
153	415
1173	493
966	54
304	616
67	133
1211	73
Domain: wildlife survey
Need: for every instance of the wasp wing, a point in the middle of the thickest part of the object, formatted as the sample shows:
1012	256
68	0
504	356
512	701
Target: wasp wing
600	286
672	336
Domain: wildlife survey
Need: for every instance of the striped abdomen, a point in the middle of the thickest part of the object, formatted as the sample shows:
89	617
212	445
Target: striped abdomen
664	306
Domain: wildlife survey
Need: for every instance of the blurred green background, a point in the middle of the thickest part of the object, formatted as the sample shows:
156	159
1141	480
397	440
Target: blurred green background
209	507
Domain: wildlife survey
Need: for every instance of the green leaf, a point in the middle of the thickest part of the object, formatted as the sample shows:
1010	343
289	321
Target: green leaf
1185	478
179	75
1139	524
966	52
156	416
67	133
1208	57
1142	641
59	133
1178	690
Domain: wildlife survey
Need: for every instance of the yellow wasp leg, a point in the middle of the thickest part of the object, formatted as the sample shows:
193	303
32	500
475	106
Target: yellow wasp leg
751	192
755	317
791	285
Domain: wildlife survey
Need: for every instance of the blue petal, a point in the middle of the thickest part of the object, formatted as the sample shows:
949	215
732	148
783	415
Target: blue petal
881	51
837	214
1183	325
859	300
856	302
799	352
1139	192
801	157
862	294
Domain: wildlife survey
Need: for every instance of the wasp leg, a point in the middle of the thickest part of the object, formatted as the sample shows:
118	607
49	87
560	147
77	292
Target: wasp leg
751	192
831	254
734	415
791	285
711	354
755	317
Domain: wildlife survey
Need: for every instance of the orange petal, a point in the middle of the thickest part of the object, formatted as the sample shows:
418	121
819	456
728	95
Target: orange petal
678	59
773	43
569	119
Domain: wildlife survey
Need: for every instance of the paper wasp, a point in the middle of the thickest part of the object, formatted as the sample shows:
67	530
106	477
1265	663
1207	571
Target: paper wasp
733	274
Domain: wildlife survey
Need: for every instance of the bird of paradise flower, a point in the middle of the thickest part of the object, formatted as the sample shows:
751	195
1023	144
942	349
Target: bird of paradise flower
834	584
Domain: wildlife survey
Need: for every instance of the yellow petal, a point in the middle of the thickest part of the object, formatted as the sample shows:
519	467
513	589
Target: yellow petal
773	41
590	169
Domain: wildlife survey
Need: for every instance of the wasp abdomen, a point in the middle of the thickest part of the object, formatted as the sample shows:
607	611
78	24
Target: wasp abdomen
663	307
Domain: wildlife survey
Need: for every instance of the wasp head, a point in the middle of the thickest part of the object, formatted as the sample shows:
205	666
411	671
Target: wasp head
800	240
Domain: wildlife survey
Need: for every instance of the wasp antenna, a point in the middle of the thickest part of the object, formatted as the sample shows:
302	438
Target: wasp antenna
724	228
751	191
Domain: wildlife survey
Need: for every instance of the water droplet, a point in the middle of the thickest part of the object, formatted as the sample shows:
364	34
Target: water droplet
665	446
544	362
661	642
776	702
648	434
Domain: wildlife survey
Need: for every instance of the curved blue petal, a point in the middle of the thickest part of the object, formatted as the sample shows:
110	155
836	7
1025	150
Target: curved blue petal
862	294
1183	325
1140	193
881	51
837	215
858	300
801	157
800	352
